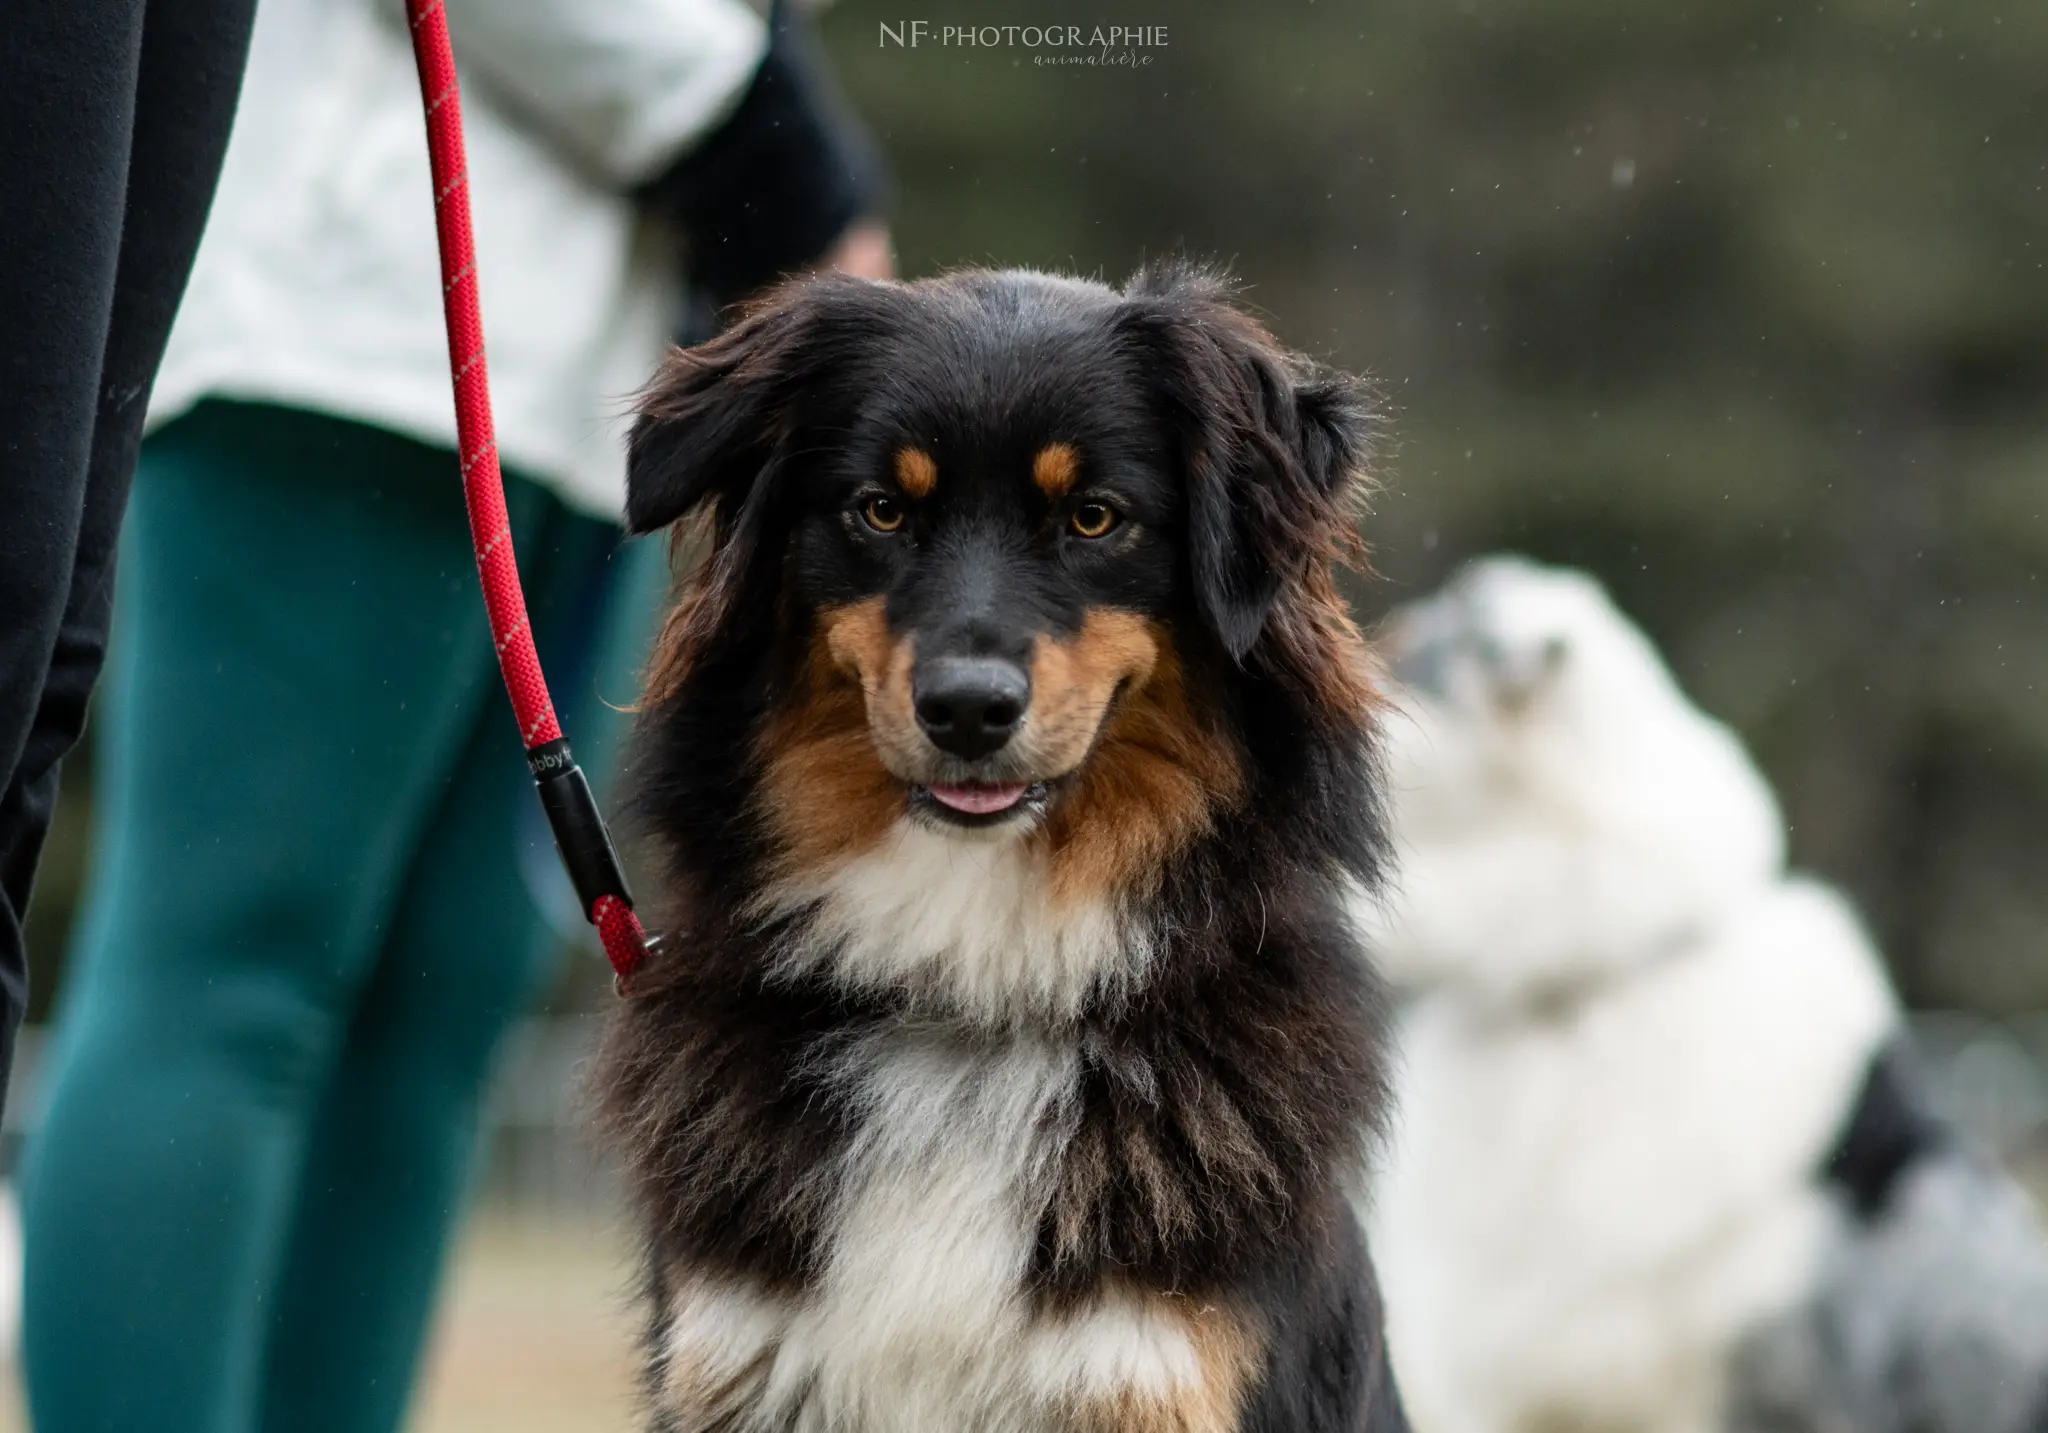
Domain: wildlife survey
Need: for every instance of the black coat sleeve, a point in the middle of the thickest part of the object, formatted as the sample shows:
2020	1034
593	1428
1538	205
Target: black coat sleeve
772	188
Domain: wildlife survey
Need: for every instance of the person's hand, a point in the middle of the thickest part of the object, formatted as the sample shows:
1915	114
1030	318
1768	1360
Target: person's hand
863	251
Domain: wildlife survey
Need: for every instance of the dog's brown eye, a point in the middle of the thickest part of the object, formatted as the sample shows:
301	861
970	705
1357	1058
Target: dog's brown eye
883	514
1094	519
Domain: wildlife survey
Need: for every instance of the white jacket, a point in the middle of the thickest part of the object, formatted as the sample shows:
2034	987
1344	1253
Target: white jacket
318	283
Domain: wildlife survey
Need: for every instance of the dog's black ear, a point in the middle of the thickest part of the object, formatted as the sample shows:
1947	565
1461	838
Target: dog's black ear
1272	449
711	421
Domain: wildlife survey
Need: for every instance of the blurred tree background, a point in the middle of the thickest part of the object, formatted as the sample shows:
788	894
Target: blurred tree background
1741	305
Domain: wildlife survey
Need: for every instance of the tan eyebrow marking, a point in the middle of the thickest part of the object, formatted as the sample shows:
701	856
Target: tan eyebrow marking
1055	468
916	473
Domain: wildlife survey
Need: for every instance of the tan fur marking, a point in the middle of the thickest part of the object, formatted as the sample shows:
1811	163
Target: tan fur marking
1337	659
718	1346
691	1392
1156	774
1228	1353
1055	468
825	791
916	473
861	647
690	623
1074	680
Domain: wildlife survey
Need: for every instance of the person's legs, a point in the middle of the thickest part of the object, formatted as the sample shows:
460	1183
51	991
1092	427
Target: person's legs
116	124
462	961
302	658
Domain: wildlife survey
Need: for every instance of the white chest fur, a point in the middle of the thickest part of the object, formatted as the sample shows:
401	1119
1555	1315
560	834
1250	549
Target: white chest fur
919	1318
962	920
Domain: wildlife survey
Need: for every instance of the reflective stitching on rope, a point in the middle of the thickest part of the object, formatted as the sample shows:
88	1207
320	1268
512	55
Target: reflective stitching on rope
514	631
483	554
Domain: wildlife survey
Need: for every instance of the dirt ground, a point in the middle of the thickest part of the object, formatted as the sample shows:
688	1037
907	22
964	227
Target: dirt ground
535	1335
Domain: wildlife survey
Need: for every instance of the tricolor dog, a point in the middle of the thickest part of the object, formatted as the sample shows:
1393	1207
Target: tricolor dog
1012	1062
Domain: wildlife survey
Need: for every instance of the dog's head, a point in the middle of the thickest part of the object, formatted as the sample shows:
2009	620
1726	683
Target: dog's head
1558	804
1525	689
1005	556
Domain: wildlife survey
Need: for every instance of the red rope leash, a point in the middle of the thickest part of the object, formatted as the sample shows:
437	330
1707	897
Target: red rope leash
580	834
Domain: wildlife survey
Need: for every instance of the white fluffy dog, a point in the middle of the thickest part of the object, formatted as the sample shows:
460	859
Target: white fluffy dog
1659	1166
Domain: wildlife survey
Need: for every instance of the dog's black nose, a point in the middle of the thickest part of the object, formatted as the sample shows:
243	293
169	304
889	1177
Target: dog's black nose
970	706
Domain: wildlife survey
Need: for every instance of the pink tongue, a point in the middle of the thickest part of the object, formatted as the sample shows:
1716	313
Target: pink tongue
979	800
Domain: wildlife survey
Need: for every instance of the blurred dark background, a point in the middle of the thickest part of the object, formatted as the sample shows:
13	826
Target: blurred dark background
1743	306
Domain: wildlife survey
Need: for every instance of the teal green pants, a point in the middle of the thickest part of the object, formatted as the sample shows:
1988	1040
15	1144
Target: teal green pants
309	924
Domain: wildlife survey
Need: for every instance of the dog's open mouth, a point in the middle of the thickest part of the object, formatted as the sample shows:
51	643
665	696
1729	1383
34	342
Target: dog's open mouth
978	803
